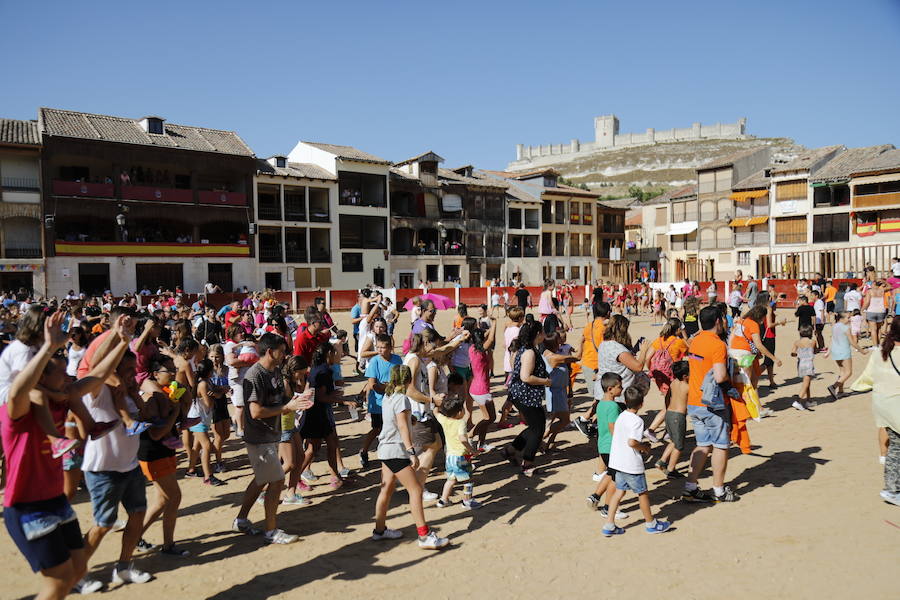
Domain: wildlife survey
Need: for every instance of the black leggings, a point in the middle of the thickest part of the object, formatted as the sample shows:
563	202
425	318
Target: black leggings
735	311
530	438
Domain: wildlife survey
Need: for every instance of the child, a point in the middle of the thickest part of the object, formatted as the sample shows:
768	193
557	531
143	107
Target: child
378	372
856	322
841	341
805	350
481	360
484	321
557	358
626	459
676	420
516	317
607	412
198	444
462	311
451	416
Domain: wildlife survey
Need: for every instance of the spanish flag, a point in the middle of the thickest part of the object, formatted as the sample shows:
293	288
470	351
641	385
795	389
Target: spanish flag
889	225
866	229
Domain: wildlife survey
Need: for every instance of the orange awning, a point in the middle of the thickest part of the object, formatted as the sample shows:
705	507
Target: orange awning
748	196
757	220
739	222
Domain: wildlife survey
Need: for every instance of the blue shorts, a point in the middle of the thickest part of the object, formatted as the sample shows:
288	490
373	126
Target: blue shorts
50	550
287	436
629	481
199	428
711	428
109	488
458	468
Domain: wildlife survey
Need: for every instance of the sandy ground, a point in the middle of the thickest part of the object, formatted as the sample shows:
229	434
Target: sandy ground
810	523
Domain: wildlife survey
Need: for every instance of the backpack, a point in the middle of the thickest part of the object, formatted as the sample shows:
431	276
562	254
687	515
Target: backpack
712	394
661	362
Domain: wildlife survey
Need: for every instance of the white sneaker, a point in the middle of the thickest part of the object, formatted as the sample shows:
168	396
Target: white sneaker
486	448
119	525
87	586
308	476
471	504
432	541
130	575
650	436
890	497
598	477
296	500
428	496
387	534
244	526
277	536
796	404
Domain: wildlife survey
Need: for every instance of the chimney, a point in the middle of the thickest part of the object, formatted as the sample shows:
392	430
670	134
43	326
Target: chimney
278	161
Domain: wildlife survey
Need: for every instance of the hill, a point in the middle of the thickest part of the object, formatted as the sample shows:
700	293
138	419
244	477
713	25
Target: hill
612	172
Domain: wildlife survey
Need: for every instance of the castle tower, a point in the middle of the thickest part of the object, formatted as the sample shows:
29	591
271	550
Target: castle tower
605	130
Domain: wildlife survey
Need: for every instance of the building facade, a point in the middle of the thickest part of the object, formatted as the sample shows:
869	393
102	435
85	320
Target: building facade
142	203
295	237
362	211
22	264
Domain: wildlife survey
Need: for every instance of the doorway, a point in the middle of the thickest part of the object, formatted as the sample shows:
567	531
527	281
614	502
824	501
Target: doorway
273	280
13	282
406	280
93	278
220	274
167	276
378	277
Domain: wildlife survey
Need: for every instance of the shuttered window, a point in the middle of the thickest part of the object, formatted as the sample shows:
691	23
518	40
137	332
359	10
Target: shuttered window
831	228
661	216
707	182
791	190
723	180
790	230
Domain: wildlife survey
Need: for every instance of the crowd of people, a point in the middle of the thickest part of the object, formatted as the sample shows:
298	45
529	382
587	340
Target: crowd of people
113	394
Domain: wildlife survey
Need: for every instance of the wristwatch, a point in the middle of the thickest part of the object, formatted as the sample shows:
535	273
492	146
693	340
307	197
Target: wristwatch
411	451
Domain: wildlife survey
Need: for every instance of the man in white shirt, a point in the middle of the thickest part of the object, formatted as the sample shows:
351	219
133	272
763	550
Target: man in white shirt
852	299
113	477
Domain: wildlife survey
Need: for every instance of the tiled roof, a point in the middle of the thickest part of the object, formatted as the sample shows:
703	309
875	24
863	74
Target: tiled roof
293	169
619	202
848	162
454	177
349	153
886	162
730	159
67	123
14	131
755	181
686	191
516	190
403	176
429	155
808	159
634	220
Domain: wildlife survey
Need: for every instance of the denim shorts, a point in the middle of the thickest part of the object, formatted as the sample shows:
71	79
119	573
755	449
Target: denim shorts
288	435
458	468
628	481
50	550
711	428
109	488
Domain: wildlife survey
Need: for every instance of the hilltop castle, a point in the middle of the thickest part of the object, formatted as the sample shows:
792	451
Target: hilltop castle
607	137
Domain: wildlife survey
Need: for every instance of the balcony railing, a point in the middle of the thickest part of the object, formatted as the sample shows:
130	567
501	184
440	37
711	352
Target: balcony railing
34	252
158	194
20	184
64	248
88	190
876	200
223	198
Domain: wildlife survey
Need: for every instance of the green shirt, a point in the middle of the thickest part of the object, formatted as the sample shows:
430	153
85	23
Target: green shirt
607	412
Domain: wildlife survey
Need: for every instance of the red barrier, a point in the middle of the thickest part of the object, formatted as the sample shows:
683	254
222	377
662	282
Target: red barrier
305	299
285	298
473	296
343	299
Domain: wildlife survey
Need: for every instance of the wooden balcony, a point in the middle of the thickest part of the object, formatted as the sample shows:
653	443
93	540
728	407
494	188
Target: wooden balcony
157	194
877	200
64	248
223	198
86	190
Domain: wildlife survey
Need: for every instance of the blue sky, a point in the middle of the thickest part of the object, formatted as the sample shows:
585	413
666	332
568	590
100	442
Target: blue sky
467	80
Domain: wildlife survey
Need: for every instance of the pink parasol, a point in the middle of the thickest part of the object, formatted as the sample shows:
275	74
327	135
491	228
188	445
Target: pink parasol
440	302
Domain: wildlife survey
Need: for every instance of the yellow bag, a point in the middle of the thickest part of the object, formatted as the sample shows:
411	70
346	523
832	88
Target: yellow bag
750	396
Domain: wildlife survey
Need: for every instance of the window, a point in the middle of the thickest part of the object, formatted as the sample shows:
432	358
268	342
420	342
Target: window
724	237
294	245
318	205
357	231
93	278
514	246
560	272
319	244
547	211
831	228
790	230
294	203
493	209
155	126
678	212
587	213
575	217
273	281
723	180
546	244
361	189
586	240
268	202
303	277
403	204
832	195
532	220
560	212
431	272
515	218
661	241
707	182
323	277
575	273
724	208
605	248
493	245
351	262
707	239
531	245
270	245
885	187
791	190
708	211
574	244
156	275
559	243
661	215
220	275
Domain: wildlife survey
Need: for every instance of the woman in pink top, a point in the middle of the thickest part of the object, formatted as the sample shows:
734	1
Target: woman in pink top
545	304
481	354
517	316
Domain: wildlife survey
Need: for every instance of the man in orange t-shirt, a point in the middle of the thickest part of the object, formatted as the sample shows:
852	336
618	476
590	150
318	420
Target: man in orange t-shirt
712	428
591	339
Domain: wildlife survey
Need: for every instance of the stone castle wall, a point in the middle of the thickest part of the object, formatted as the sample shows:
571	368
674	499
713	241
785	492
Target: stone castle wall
528	156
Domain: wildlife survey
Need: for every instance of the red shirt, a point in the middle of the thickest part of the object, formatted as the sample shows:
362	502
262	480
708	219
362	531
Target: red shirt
85	366
229	316
32	474
305	344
